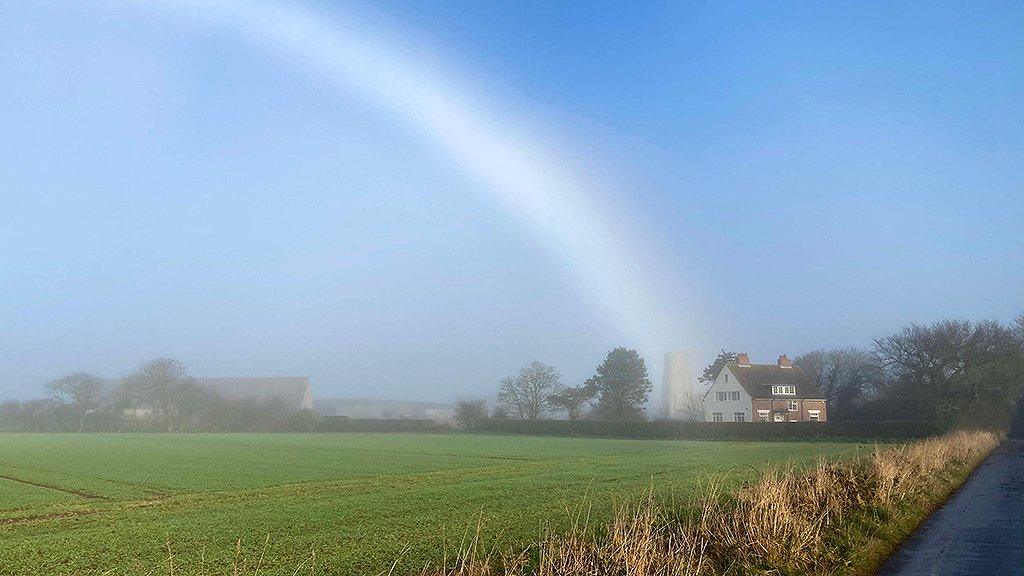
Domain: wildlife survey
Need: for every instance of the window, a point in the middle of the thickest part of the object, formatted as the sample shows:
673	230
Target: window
738	417
716	417
762	415
721	396
790	390
726	376
814	415
734	396
780	417
793	405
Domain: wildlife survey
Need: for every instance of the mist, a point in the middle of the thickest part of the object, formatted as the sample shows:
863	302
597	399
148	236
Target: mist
407	205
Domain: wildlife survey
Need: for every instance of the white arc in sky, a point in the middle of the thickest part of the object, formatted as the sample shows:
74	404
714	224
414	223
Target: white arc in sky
488	147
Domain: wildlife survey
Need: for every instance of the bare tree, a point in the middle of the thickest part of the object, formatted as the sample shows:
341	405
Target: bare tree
573	398
80	392
525	395
953	371
165	384
1018	330
693	406
844	375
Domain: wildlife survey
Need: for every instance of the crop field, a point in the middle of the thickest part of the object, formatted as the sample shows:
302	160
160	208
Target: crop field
125	503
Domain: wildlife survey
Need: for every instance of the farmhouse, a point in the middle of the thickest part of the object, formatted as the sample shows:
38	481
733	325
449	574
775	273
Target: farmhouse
780	392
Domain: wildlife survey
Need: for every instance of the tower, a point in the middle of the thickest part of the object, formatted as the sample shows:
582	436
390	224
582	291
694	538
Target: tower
676	383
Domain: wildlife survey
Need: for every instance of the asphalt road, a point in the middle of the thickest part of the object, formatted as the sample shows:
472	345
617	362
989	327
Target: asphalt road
980	530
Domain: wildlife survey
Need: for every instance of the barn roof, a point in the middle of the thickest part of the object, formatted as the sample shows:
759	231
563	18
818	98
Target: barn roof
294	391
757	380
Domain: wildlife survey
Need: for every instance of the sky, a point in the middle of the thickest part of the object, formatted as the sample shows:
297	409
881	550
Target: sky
413	200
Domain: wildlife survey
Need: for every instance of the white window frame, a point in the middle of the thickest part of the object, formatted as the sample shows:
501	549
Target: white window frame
739	416
792	405
814	415
726	376
764	415
778	418
784	390
734	396
716	417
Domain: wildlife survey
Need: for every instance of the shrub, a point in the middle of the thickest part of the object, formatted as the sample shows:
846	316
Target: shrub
470	414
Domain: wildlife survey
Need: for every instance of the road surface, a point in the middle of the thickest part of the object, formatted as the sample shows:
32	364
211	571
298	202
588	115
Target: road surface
980	530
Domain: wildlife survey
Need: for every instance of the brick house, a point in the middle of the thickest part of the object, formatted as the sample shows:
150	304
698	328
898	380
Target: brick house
780	392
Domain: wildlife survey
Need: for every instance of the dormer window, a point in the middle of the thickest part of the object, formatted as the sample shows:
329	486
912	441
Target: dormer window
784	390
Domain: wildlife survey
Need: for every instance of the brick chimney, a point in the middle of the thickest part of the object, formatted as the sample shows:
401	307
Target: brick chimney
742	359
784	362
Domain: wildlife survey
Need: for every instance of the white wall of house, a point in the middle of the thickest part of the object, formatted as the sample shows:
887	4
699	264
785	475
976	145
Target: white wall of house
736	399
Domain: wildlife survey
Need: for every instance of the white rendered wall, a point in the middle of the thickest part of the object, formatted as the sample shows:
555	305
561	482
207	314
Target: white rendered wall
726	382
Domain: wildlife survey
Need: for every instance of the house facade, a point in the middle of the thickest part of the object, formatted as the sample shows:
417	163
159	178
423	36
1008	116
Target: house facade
780	392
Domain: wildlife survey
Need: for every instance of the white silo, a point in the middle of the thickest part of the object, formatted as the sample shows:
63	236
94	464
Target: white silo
676	384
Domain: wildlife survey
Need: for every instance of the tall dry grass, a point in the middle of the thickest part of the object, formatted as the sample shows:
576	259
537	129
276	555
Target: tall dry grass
787	522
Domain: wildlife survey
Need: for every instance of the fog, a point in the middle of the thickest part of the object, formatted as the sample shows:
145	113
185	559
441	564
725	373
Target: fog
414	204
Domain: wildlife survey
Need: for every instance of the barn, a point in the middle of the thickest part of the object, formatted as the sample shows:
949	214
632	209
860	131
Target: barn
293	391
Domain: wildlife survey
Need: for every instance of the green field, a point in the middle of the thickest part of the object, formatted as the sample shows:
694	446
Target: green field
111	503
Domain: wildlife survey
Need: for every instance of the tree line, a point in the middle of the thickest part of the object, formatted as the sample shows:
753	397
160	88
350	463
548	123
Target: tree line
158	396
618	391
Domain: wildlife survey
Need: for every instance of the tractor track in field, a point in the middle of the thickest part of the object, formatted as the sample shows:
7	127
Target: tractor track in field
277	491
68	514
72	491
46	517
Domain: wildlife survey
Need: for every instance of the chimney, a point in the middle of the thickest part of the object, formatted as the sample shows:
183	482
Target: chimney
784	362
742	359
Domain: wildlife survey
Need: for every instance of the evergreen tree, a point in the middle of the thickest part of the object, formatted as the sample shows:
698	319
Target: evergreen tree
622	385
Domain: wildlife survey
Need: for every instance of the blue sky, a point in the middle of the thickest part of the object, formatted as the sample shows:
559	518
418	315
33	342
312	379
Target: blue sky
796	176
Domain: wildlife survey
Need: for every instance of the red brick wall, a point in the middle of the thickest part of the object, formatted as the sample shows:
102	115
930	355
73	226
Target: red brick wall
802	414
808	405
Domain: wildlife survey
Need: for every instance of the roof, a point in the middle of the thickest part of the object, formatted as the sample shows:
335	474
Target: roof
757	380
294	391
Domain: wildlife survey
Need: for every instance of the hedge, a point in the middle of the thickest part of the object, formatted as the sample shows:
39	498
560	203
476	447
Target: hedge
849	429
345	424
661	429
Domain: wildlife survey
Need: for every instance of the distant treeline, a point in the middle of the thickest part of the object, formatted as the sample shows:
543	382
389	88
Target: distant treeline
218	415
158	397
952	373
949	374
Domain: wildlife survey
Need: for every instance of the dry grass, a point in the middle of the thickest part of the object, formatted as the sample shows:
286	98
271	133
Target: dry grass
787	522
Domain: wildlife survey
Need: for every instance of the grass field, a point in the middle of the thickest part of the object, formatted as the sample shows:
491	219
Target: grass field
110	503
